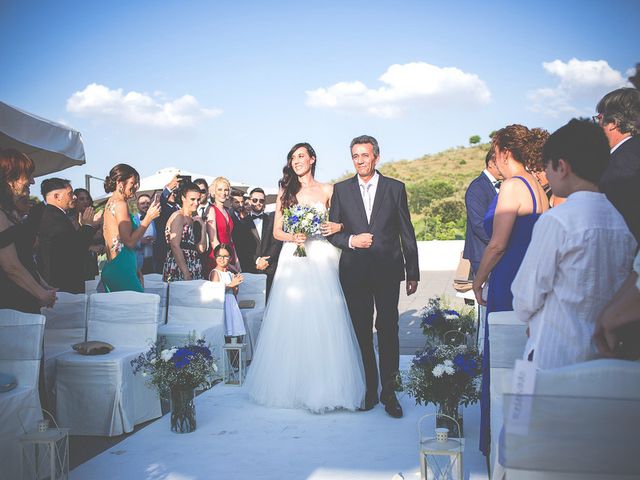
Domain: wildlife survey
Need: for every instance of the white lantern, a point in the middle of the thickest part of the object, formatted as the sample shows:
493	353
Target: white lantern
45	452
234	363
434	448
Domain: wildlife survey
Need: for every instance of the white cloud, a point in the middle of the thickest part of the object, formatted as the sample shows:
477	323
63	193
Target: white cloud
581	83
404	86
99	101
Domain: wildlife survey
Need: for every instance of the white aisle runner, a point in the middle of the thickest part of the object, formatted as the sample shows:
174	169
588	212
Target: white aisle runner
236	439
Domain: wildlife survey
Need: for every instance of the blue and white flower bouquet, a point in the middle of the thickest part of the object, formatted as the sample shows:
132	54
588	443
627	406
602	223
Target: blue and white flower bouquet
302	219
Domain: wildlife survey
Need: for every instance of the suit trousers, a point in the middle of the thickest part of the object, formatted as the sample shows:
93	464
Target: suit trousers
382	293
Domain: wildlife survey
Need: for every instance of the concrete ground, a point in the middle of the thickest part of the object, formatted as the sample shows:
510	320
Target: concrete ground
433	283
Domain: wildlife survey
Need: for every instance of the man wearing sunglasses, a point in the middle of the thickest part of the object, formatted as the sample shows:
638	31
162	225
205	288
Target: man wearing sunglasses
257	249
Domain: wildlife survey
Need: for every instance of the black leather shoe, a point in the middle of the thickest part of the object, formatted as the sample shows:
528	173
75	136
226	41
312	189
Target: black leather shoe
392	407
368	405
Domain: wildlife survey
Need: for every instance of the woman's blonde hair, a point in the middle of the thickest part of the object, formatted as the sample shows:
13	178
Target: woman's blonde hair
218	180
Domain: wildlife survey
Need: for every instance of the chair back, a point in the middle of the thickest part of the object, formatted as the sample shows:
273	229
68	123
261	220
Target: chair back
162	290
153	277
196	303
127	319
66	320
254	287
21	345
507	338
91	286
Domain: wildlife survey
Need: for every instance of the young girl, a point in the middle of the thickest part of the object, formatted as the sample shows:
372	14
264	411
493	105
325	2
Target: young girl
234	325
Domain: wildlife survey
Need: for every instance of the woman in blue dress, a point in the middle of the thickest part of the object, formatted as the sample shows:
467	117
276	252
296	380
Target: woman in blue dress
509	221
121	233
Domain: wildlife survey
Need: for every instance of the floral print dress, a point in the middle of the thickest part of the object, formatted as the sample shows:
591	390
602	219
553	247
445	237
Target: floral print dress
171	272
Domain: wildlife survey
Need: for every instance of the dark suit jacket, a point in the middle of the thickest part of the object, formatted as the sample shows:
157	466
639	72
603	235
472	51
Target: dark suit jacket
250	246
479	195
394	249
160	246
621	183
62	250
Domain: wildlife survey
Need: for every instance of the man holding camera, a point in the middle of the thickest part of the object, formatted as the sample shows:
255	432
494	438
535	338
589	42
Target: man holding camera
168	205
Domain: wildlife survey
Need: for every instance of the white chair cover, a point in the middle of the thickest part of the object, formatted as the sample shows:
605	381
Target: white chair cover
100	395
196	307
583	424
20	353
254	287
507	340
66	325
91	286
152	277
162	290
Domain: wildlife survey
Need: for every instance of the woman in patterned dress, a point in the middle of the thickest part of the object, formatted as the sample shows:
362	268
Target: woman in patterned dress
187	238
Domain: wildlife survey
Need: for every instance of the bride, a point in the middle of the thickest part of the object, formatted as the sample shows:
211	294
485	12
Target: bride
307	354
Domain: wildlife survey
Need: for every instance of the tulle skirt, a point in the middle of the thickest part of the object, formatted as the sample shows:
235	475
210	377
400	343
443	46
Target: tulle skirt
307	355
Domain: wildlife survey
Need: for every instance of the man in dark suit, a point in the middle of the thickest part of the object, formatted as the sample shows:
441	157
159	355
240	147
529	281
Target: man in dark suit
477	199
62	249
378	246
257	250
618	114
168	206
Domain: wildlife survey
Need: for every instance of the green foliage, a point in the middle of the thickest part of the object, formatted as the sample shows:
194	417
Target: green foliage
474	139
493	133
435	229
448	209
421	194
462	162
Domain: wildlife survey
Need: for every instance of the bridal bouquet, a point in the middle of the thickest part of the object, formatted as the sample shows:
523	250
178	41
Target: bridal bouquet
186	367
302	219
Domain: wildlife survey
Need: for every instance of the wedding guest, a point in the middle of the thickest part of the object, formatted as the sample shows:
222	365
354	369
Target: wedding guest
509	220
63	249
260	250
477	199
220	224
247	206
233	322
21	286
205	203
96	247
237	205
168	206
617	332
121	233
144	248
618	114
186	236
579	255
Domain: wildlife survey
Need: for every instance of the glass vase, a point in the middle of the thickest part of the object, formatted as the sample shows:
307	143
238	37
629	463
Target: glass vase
183	409
452	409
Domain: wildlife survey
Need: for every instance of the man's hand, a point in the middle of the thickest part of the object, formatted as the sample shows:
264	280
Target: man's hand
88	217
172	184
363	240
262	263
412	286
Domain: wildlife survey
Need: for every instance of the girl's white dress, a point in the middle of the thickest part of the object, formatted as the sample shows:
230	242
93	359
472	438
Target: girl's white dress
307	354
233	323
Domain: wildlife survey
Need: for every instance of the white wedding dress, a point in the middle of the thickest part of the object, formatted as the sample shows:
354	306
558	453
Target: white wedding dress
307	354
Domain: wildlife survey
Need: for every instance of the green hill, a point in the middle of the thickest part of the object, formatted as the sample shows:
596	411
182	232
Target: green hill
436	185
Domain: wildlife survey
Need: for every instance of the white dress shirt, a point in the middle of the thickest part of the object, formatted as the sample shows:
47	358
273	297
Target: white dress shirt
492	179
368	195
619	144
580	254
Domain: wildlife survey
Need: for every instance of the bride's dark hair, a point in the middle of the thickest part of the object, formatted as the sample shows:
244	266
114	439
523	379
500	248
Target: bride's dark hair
289	182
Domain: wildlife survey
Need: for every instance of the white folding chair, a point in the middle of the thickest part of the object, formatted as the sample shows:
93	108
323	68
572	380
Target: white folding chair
196	307
254	287
581	423
153	277
100	395
162	290
507	341
20	353
66	325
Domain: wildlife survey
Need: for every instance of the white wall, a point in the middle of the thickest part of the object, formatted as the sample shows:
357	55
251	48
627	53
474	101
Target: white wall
439	255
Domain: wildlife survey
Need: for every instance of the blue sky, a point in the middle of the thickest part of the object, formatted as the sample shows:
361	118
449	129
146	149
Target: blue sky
226	88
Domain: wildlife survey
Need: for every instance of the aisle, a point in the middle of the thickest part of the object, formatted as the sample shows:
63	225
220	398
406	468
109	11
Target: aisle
237	439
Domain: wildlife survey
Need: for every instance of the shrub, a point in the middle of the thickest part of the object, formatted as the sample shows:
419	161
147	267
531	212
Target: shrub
474	139
421	194
448	209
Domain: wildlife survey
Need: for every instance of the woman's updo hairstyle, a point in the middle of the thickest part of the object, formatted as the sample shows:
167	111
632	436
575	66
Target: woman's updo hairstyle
524	144
289	182
120	173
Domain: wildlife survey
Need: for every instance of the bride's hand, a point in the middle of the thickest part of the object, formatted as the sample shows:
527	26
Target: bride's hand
299	238
329	228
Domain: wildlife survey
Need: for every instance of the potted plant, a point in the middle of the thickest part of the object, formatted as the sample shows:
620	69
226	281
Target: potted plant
176	372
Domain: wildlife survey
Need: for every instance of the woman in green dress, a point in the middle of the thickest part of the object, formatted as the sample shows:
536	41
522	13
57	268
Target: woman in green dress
120	231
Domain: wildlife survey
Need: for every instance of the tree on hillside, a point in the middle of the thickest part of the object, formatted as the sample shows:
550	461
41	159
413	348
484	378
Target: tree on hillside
492	134
474	139
421	194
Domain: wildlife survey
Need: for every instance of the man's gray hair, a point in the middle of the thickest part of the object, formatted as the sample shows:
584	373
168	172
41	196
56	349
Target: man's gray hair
363	139
621	107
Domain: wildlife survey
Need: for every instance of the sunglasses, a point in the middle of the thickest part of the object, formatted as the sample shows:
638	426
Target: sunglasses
203	191
258	200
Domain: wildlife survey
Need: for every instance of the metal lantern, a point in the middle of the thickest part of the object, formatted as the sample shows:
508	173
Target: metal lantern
439	445
45	452
234	363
